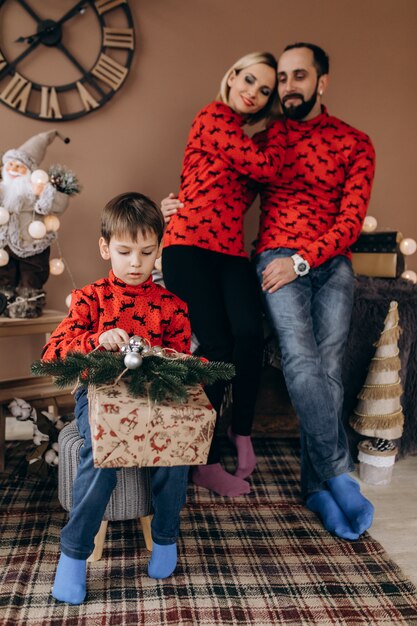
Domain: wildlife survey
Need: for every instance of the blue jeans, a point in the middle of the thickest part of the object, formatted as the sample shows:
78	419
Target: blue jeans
311	318
93	487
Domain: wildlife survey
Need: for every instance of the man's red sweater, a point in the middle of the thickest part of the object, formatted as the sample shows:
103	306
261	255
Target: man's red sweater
318	202
219	158
147	310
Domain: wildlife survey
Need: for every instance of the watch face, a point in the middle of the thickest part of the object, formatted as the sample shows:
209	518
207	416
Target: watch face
62	60
302	267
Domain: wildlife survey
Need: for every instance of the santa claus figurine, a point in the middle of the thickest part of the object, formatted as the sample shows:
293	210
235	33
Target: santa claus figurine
27	197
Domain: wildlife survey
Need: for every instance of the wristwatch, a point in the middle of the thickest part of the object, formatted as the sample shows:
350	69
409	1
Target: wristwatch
301	266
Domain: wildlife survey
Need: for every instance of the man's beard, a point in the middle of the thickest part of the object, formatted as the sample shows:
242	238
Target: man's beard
14	190
299	111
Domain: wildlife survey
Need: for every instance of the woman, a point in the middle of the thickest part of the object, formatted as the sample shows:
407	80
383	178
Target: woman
204	261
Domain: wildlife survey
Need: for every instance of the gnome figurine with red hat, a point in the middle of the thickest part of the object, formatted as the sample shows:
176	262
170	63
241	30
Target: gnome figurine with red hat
30	201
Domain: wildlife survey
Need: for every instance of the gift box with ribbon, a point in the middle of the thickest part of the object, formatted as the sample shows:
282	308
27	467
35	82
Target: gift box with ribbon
128	431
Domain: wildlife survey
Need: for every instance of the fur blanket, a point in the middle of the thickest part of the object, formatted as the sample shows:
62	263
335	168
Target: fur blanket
372	298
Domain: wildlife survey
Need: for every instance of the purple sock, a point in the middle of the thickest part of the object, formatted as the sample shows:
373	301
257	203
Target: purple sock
215	478
359	511
246	459
334	520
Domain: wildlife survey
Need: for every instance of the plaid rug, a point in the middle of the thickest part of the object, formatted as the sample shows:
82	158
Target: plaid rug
261	559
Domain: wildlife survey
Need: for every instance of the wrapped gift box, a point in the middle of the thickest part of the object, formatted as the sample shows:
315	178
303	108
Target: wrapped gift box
129	431
378	254
378	264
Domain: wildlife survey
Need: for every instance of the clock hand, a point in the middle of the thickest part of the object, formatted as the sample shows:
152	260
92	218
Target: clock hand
80	7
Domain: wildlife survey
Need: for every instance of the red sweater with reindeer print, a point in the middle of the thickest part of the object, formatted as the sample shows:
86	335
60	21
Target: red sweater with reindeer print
219	159
147	310
317	203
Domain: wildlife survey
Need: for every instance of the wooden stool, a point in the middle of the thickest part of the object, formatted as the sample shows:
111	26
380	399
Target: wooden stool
130	499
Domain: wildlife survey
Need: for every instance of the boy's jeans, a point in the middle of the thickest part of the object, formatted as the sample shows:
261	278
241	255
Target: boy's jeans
311	318
93	487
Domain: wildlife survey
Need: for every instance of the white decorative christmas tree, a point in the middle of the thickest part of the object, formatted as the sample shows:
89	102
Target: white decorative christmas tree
379	412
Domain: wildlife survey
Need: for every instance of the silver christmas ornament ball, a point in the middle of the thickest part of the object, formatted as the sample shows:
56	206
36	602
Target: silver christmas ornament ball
125	348
136	343
157	350
146	350
132	360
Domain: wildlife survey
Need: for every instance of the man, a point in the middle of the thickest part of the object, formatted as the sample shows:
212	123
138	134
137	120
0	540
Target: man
25	259
310	216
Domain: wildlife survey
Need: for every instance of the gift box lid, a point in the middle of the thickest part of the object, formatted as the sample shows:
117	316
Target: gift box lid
385	241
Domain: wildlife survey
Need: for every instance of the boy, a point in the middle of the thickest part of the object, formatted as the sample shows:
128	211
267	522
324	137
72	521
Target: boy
104	315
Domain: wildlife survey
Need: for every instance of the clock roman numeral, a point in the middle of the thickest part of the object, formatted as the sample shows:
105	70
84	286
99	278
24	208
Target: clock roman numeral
87	99
109	71
102	6
118	38
16	94
3	62
49	104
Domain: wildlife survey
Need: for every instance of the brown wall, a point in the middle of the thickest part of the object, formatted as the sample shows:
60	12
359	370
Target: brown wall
184	46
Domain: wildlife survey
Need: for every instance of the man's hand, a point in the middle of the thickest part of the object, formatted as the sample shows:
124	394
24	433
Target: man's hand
113	339
278	273
169	206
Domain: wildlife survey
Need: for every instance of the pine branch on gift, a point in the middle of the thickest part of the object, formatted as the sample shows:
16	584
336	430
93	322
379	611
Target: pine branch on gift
100	367
65	373
162	376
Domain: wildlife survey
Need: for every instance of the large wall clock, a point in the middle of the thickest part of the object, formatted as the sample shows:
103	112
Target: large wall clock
62	60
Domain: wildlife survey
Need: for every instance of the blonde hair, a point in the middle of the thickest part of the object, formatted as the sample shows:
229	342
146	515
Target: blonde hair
271	109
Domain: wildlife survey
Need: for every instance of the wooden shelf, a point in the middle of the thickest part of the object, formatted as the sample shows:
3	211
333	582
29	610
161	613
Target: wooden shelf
45	323
32	388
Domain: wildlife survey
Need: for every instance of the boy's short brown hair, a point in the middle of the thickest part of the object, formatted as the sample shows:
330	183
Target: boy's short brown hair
129	213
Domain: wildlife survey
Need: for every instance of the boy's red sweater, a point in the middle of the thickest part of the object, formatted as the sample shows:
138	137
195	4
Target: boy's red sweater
147	310
219	158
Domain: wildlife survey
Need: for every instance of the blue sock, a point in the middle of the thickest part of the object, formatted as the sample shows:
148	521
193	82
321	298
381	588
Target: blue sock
358	510
333	518
70	580
163	560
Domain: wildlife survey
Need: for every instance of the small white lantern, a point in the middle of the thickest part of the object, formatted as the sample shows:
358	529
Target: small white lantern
52	223
4	257
408	246
37	229
4	216
56	266
409	275
39	177
369	224
68	300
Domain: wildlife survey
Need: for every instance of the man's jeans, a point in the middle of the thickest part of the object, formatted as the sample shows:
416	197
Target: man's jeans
311	318
93	487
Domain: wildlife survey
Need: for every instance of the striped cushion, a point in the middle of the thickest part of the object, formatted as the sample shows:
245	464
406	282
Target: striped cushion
130	499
